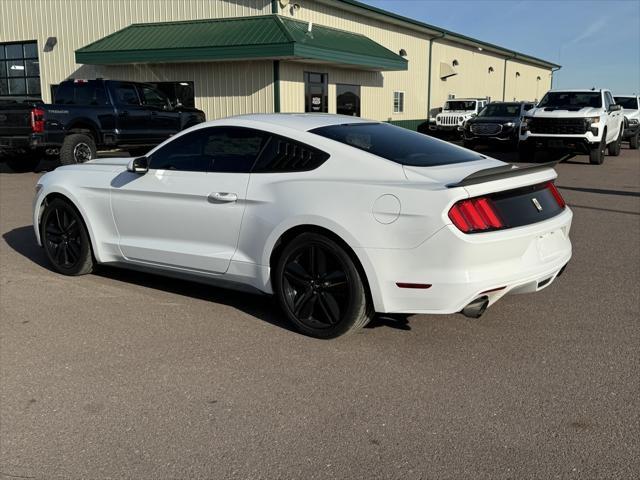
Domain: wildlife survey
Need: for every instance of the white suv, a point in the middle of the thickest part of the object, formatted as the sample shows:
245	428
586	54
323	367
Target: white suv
631	109
455	113
574	121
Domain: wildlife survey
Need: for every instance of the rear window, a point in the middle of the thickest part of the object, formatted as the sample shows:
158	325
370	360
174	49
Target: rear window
397	144
627	102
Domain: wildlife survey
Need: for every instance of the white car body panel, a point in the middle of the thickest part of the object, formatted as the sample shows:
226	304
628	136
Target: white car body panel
393	217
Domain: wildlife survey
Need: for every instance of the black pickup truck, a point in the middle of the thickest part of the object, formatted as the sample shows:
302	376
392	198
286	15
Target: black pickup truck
87	115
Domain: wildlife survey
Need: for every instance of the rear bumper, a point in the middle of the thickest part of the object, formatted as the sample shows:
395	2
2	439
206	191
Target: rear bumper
461	267
21	143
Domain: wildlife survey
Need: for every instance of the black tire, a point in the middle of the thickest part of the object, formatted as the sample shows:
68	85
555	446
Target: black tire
526	154
634	141
320	288
614	147
77	148
65	238
596	155
24	162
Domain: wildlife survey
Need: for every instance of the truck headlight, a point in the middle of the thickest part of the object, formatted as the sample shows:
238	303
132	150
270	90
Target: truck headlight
509	124
524	125
460	119
594	121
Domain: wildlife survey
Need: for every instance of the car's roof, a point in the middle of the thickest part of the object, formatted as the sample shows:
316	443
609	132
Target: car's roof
583	90
632	95
299	121
463	99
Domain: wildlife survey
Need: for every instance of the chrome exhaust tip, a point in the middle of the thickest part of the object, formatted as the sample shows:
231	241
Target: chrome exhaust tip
476	308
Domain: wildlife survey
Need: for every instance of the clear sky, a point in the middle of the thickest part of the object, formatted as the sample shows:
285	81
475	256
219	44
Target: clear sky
596	42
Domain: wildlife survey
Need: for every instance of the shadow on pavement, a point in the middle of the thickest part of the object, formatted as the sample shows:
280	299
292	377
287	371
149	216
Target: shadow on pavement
263	307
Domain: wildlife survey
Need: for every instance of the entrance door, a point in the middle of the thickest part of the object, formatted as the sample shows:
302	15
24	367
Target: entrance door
348	100
316	92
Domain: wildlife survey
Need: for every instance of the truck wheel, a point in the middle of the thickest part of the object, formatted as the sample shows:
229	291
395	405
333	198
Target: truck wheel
634	140
596	155
24	162
614	147
77	148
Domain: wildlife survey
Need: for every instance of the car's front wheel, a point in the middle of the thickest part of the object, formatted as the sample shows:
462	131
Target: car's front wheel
65	238
634	141
596	154
614	148
320	288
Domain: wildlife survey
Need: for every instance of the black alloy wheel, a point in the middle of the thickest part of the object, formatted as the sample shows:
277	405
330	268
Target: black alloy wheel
65	239
319	287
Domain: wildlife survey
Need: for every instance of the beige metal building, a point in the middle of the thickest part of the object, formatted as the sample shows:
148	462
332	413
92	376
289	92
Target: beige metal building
244	56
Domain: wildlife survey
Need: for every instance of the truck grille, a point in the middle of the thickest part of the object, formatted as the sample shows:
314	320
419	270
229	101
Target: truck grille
558	126
447	120
486	128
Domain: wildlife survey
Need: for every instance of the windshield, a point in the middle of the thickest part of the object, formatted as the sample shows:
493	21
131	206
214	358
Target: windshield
397	144
571	100
627	102
501	110
460	105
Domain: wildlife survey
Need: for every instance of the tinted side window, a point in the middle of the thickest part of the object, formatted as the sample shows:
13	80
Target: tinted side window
89	94
285	155
126	94
233	150
184	153
64	94
153	97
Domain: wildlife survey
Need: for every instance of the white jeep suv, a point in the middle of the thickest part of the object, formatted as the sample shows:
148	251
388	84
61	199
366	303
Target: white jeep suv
631	109
574	121
455	113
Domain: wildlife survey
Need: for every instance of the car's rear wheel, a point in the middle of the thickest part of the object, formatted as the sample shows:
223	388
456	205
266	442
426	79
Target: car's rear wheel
65	238
596	155
77	148
614	148
320	288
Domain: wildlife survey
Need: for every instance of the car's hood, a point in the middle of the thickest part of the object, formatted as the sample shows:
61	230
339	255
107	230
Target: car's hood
494	119
583	112
121	161
456	112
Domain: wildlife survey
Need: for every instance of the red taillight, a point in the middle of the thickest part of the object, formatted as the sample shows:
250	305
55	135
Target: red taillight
37	120
556	194
475	215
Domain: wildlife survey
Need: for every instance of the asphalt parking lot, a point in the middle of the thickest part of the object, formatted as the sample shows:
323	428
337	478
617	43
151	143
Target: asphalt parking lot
127	375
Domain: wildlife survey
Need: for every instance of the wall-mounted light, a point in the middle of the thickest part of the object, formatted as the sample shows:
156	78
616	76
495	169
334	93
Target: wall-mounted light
50	43
517	74
403	52
455	63
480	49
490	69
538	78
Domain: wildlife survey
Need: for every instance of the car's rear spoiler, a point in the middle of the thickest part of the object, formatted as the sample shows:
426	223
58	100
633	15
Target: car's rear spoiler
504	171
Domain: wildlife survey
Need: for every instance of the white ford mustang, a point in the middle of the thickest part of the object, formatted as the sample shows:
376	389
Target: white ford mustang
337	216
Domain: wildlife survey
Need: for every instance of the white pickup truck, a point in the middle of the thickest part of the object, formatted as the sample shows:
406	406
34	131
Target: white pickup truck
631	109
455	113
573	121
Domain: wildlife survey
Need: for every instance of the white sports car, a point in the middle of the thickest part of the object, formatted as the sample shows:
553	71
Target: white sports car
337	216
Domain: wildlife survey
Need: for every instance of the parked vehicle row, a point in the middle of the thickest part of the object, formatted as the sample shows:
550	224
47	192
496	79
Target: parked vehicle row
87	115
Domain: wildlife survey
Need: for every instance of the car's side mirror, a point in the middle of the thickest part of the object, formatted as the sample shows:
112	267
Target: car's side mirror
614	107
138	165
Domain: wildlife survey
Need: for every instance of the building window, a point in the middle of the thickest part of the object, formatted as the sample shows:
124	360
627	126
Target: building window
19	70
316	88
398	102
348	100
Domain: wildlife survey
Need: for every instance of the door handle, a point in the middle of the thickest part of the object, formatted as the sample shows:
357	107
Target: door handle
222	197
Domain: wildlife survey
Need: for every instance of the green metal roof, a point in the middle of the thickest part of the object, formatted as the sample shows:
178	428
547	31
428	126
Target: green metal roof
238	38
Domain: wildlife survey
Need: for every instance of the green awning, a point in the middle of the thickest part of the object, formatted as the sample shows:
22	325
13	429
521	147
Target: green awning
239	38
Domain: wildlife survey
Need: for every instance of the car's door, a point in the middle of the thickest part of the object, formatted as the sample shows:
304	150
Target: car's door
615	118
186	211
163	121
133	119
